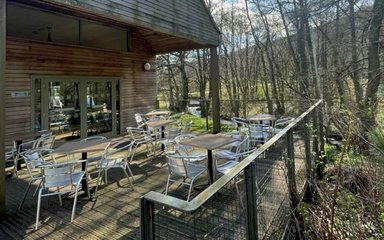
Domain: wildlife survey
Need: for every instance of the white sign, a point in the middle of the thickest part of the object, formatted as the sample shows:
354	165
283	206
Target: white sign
20	94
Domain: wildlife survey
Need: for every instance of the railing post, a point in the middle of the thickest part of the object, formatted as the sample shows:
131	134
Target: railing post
146	219
308	191
290	164
251	197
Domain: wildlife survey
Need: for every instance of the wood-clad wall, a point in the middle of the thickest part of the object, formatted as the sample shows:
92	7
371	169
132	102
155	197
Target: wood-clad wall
25	59
186	19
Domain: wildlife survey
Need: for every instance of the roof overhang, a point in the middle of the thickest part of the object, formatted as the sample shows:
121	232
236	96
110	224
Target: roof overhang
161	40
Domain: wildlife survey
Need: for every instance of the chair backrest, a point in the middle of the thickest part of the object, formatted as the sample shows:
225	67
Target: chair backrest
240	122
182	148
137	134
243	147
139	120
173	132
187	126
176	165
118	149
283	121
59	175
33	160
45	142
259	132
93	138
9	155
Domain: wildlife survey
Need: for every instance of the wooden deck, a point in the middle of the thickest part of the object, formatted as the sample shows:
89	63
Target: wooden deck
116	213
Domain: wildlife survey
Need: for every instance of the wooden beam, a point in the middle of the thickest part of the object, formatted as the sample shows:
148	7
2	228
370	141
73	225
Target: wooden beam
214	88
2	103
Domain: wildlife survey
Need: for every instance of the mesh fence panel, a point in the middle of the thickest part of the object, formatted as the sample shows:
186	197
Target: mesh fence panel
224	216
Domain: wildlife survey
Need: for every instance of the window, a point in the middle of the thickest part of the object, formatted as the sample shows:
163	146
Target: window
30	23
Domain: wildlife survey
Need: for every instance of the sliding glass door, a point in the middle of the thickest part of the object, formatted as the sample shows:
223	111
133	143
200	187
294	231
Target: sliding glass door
77	107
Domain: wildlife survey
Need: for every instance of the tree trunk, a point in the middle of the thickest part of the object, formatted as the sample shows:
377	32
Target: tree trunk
374	74
184	82
354	65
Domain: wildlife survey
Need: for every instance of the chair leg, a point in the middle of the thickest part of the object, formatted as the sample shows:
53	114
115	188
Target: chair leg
59	196
166	188
99	176
190	190
105	176
129	180
74	203
133	152
38	208
37	188
130	172
87	182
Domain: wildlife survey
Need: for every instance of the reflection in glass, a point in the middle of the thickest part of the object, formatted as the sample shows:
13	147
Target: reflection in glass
64	109
99	107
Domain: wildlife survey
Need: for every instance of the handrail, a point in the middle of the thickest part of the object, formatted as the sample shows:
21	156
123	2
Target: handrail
204	196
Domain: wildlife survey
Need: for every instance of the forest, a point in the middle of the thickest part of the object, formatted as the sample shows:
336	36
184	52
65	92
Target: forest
283	55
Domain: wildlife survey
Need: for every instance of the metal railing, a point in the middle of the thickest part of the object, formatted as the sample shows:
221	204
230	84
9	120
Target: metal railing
255	200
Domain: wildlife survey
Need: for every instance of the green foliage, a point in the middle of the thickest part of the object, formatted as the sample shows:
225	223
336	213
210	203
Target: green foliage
200	124
305	210
377	137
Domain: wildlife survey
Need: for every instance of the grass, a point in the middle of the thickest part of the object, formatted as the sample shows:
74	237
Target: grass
200	124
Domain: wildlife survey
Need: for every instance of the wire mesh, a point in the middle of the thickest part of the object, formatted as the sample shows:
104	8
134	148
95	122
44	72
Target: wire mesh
224	216
221	217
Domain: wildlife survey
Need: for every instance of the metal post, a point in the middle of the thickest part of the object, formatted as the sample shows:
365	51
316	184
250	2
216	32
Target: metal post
251	196
308	195
206	113
146	219
2	104
290	164
214	88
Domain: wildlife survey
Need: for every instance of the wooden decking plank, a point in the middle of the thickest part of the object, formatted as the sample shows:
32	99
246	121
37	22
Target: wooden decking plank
116	213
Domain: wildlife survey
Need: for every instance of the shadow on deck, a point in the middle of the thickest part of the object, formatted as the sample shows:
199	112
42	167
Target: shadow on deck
116	213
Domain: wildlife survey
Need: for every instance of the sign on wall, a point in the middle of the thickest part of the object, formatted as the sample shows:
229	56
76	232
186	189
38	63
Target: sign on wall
20	94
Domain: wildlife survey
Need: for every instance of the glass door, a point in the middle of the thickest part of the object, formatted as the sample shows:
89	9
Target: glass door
99	108
75	109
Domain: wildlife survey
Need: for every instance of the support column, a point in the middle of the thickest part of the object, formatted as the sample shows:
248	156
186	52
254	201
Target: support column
214	88
2	104
146	219
251	195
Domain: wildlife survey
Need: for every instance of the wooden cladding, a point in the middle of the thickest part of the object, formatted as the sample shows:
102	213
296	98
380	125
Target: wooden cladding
26	59
188	24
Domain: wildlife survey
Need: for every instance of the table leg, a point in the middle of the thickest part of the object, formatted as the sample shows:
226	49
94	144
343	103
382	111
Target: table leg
211	167
162	137
84	184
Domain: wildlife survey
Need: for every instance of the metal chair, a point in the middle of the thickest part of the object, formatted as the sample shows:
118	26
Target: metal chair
242	149
116	155
9	154
181	168
259	134
45	143
281	123
59	179
94	139
241	124
186	128
33	159
169	141
139	120
140	136
187	150
19	150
